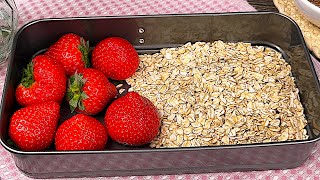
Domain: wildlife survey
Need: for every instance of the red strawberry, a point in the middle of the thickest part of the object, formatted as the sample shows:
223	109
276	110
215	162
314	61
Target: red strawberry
132	120
43	80
32	128
71	51
81	132
89	91
116	58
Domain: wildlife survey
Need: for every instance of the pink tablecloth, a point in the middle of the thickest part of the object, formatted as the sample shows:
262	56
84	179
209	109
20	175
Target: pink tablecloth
35	9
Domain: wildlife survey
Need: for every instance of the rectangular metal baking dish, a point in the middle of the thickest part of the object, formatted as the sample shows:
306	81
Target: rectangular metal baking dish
263	28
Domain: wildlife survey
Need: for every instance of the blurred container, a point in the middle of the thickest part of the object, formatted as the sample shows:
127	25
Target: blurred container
309	10
8	27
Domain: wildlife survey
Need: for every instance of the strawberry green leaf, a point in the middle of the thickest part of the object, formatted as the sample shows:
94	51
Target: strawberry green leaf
27	76
84	47
73	104
81	106
75	95
84	95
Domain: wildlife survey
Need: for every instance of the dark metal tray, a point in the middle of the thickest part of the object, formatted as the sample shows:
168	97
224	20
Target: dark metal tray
149	34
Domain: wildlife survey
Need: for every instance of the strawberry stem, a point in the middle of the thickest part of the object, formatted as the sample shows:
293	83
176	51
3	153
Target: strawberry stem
27	76
75	95
84	47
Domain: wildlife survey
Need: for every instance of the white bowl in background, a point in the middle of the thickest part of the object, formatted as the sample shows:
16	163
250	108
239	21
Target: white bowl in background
309	11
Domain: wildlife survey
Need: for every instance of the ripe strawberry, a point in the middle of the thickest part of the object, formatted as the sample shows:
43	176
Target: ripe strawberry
116	58
81	132
32	128
132	120
43	80
89	91
71	51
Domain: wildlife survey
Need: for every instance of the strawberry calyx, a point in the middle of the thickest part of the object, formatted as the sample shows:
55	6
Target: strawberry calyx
75	95
84	47
27	76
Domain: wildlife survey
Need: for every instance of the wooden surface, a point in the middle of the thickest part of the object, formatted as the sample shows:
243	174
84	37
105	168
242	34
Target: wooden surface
263	5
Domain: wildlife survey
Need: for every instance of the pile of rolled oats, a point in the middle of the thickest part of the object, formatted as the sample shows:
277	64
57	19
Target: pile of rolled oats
221	93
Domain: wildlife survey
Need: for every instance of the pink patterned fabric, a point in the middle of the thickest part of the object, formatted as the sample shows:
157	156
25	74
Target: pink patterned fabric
36	9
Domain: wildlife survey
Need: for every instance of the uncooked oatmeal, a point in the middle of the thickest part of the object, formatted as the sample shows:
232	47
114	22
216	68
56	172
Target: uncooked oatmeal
220	93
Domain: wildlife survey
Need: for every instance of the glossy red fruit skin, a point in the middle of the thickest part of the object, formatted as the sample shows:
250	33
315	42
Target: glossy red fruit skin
81	132
98	89
116	58
132	120
33	128
50	83
66	51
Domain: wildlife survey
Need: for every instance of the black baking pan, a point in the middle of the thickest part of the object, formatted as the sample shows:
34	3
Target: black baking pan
149	34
